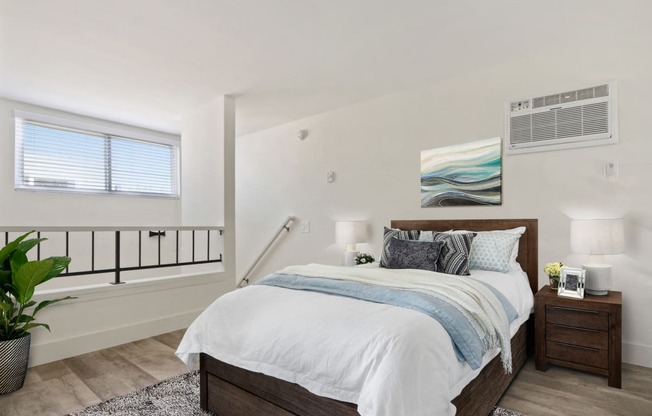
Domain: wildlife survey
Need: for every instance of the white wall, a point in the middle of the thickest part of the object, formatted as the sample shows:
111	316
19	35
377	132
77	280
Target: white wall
104	315
208	167
374	148
57	209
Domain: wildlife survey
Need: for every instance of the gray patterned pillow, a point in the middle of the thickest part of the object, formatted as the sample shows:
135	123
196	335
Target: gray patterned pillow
411	254
454	257
401	235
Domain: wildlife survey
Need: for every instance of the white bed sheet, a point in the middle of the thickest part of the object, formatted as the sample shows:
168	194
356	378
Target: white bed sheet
389	360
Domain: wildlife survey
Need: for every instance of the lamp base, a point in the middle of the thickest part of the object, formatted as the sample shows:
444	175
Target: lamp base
598	279
348	258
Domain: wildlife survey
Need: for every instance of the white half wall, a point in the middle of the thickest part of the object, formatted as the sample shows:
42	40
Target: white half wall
104	316
374	149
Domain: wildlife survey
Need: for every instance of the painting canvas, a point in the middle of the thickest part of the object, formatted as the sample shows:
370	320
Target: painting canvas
464	174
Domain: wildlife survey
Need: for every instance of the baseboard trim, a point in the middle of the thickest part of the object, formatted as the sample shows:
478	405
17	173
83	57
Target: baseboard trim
637	354
93	341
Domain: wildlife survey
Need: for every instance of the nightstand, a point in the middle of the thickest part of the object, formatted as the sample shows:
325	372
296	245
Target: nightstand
584	334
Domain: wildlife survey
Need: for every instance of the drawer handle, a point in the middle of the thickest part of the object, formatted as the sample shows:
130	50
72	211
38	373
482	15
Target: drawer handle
577	346
575	328
575	309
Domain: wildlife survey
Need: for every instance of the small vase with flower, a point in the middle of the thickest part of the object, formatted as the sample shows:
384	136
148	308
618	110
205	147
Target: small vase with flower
553	270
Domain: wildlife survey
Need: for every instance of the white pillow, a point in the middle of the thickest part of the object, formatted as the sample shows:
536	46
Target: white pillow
492	250
512	259
498	251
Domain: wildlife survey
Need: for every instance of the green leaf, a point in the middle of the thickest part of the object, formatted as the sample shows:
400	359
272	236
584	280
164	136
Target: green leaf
17	259
4	298
6	251
34	325
27	245
29	276
45	303
5	279
7	309
24	319
59	265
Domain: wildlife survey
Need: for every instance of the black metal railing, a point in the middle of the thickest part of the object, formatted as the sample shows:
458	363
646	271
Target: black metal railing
118	266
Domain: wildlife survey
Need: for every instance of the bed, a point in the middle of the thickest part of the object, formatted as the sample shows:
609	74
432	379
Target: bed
230	390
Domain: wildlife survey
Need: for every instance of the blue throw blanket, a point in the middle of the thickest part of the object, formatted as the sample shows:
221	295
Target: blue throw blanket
467	343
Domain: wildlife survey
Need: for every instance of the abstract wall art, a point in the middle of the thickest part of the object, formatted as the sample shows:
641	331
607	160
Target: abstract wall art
464	174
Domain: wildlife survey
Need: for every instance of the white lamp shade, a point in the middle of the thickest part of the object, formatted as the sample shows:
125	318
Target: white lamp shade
350	232
598	237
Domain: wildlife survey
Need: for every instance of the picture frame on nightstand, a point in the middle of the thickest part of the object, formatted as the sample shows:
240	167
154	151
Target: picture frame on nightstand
571	282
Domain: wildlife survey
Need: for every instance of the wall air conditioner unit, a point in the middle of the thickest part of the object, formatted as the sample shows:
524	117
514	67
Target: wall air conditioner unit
586	117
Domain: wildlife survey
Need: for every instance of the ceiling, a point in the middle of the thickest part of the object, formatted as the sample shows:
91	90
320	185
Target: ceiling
146	62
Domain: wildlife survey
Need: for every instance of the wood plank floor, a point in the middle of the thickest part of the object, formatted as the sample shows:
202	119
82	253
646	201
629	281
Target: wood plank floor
566	392
68	385
72	384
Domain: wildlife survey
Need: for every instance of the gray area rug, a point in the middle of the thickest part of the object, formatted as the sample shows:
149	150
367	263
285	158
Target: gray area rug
176	396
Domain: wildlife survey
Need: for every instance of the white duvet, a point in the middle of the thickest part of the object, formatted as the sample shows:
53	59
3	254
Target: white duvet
388	360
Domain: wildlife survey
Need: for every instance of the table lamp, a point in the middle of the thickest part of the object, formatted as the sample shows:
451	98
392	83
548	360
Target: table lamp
350	233
597	238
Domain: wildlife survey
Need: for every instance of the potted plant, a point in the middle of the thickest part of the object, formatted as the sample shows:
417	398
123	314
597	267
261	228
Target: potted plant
18	279
553	270
364	258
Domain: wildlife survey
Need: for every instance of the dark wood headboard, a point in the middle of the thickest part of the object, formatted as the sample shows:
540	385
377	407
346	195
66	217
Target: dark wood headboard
528	248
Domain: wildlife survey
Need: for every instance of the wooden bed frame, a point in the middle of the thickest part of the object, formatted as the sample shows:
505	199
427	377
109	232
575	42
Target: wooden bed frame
231	391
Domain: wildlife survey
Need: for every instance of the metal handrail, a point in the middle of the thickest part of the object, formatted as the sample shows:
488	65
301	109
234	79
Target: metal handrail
45	229
118	267
285	226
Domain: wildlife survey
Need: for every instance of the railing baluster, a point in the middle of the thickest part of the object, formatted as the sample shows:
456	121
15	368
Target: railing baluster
117	281
6	237
140	248
38	247
159	247
177	248
193	245
208	244
67	247
92	250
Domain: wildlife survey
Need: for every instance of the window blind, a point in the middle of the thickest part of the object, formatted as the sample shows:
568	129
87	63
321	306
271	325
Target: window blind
63	157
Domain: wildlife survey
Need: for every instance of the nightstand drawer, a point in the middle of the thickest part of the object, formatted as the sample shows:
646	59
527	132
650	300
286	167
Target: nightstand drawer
577	317
581	355
577	336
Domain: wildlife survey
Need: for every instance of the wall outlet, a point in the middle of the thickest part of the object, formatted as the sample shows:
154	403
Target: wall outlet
304	226
330	176
611	169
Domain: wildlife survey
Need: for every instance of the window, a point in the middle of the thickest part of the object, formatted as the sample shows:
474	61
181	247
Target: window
64	155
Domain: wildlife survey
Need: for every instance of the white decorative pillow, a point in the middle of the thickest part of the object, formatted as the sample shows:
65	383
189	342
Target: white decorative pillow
493	251
513	264
512	259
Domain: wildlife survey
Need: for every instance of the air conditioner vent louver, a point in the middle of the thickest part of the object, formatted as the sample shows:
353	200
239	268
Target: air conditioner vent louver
566	97
584	117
